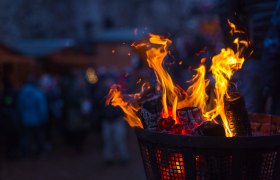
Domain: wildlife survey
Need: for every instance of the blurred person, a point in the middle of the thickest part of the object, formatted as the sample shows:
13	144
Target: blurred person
181	43
66	83
271	65
45	84
77	109
51	90
56	105
113	131
9	124
33	112
97	93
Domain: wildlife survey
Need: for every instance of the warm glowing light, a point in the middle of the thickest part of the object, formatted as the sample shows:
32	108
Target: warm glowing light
91	76
197	91
223	67
156	52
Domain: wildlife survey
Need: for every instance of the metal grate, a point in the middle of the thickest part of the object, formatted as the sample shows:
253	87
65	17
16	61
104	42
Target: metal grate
268	164
178	157
170	164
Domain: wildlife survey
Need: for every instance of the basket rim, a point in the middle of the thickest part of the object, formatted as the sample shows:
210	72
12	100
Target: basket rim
209	142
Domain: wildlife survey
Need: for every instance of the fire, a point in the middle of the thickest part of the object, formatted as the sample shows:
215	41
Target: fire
115	98
156	52
233	28
224	65
197	91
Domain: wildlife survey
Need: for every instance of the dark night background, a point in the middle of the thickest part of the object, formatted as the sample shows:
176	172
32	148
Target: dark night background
58	59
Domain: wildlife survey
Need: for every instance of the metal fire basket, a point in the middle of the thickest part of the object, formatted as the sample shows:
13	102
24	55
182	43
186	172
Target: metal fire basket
167	156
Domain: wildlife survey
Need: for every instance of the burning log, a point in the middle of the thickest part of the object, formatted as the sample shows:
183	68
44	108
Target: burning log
237	115
189	114
151	108
190	117
209	128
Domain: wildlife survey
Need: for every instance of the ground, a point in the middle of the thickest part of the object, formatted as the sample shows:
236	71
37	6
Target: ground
64	164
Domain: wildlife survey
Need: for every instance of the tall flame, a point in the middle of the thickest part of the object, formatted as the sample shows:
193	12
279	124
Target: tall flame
197	91
223	67
156	52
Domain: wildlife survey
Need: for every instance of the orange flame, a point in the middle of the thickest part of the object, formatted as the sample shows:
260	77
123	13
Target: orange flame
157	50
197	91
223	67
115	98
233	28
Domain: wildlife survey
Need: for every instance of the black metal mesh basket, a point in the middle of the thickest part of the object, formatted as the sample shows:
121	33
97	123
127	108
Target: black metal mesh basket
167	156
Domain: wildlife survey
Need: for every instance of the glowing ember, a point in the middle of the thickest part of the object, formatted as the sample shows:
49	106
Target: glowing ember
173	98
91	76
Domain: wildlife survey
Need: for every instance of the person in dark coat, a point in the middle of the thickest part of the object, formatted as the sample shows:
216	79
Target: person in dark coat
33	112
271	65
77	107
113	131
9	123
